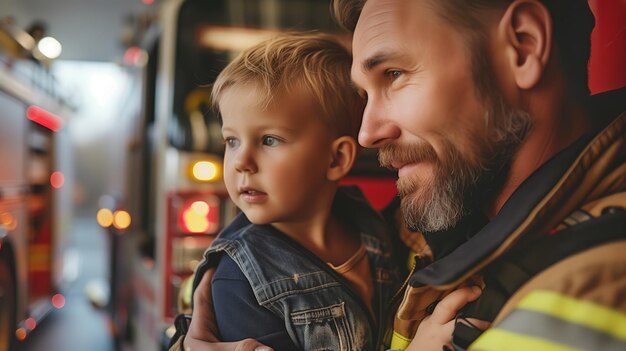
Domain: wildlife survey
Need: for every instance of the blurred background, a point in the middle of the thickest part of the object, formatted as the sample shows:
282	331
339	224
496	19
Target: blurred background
110	158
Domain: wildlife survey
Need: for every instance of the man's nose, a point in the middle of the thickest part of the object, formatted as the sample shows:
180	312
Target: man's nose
377	127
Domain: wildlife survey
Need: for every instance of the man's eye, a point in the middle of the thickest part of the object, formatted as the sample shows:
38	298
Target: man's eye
393	73
231	142
269	140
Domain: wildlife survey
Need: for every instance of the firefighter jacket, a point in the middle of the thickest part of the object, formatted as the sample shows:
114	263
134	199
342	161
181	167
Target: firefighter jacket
578	300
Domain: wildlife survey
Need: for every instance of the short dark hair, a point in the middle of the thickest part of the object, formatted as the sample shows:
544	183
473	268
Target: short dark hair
573	22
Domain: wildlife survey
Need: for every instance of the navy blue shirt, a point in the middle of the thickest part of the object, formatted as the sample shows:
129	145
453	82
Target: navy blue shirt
238	314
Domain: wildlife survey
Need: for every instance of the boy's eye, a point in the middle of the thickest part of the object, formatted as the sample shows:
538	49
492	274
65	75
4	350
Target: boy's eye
231	142
269	140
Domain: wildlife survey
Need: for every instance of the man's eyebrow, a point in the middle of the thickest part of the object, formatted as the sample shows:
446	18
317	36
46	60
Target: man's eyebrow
373	61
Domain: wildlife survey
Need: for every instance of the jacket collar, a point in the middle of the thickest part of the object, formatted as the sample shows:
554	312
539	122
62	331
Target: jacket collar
556	189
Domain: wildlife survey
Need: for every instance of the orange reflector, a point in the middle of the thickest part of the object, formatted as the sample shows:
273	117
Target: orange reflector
44	118
20	334
8	221
6	218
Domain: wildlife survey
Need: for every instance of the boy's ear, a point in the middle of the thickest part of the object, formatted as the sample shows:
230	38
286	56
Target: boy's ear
344	153
527	28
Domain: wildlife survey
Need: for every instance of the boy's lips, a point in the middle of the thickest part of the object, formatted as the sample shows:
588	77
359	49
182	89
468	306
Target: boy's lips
251	195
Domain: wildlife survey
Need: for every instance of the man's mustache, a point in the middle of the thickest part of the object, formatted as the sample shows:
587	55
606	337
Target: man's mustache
401	154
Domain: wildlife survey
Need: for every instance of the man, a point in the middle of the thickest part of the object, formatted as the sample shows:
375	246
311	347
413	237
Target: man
510	176
482	107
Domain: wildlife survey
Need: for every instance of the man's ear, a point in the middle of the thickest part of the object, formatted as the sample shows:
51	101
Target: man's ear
344	153
527	30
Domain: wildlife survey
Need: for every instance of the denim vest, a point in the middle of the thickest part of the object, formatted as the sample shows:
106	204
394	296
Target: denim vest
320	309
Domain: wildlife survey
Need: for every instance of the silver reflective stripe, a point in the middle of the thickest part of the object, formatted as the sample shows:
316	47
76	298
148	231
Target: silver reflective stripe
547	327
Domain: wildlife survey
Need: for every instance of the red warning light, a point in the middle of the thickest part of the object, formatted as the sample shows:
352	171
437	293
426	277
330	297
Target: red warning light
30	323
198	217
148	2
58	301
57	179
44	118
132	55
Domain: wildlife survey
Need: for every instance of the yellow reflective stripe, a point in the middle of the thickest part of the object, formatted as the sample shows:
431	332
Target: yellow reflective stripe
410	260
498	340
399	341
572	310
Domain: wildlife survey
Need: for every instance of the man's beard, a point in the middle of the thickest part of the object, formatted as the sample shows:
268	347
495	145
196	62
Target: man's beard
457	181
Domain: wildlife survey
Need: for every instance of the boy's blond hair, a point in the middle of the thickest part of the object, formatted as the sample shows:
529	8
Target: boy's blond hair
307	63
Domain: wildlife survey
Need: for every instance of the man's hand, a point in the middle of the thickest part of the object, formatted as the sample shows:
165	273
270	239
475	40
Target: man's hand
435	331
243	345
202	334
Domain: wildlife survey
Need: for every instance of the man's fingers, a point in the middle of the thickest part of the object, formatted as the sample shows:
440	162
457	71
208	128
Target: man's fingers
203	332
448	307
203	326
251	345
431	336
477	323
243	345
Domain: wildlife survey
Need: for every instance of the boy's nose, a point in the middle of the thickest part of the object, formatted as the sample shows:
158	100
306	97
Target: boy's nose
245	161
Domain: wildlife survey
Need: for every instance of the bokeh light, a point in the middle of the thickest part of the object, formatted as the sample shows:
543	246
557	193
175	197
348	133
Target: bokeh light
104	217
205	171
58	301
30	323
121	220
50	47
57	179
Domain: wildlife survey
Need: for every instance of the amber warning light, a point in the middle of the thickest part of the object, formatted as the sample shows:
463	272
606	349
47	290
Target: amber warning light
205	171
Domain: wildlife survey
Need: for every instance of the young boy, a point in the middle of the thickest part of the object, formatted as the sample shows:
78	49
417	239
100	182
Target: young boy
306	265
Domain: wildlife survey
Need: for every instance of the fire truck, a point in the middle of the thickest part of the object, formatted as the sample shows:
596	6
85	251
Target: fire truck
35	205
174	201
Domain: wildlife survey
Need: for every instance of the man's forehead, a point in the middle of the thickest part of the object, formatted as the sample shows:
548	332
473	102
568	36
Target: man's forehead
380	24
376	14
377	34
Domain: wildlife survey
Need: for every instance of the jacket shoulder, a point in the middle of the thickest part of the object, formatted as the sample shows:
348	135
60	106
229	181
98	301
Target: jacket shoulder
579	297
597	275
